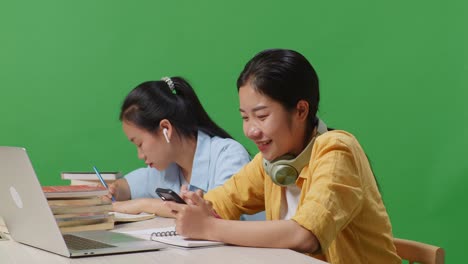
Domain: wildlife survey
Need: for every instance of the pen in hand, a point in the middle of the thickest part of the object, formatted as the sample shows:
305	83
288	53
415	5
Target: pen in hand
102	180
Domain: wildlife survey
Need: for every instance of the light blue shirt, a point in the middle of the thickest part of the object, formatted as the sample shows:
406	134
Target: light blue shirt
216	160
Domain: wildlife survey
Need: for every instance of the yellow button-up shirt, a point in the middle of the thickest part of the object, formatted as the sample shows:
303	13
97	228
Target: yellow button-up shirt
339	201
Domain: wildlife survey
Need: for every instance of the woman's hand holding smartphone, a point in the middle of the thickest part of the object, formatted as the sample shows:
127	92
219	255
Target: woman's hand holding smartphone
169	195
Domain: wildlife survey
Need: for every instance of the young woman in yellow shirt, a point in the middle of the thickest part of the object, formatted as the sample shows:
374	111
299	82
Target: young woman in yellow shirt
315	184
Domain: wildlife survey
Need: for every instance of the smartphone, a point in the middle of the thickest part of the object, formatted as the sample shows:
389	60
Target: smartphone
169	195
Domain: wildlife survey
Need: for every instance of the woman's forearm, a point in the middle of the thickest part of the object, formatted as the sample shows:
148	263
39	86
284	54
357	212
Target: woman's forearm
147	205
273	234
155	206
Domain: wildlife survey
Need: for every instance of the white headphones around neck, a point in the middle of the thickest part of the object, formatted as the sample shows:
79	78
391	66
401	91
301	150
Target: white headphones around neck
165	135
284	170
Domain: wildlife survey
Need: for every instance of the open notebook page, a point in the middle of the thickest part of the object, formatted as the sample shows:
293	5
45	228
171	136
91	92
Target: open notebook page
176	240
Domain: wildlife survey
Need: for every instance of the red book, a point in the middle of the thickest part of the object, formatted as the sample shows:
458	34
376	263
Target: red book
73	191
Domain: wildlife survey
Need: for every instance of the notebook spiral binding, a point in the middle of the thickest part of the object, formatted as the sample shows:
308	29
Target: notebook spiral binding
163	234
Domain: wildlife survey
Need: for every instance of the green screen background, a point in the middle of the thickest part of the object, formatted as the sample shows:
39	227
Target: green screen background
394	73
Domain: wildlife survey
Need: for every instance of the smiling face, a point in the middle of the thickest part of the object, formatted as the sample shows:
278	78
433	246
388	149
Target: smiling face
269	125
151	147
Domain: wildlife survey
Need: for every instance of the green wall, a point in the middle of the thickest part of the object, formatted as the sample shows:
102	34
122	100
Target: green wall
394	73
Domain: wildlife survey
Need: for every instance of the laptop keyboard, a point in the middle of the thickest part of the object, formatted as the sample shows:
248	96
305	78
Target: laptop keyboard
80	243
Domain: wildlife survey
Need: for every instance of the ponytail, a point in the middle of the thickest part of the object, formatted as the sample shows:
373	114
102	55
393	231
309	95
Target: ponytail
172	99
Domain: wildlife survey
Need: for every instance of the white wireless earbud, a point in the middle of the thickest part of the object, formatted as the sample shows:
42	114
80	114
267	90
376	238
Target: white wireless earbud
165	135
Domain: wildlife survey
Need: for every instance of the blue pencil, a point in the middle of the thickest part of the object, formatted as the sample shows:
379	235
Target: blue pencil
102	180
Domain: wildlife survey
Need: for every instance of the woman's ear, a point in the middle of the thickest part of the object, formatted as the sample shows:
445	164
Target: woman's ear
166	128
302	110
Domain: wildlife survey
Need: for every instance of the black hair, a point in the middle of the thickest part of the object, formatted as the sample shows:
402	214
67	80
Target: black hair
287	77
152	101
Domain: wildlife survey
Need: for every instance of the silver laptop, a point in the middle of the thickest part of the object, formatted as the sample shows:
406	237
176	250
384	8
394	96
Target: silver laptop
30	221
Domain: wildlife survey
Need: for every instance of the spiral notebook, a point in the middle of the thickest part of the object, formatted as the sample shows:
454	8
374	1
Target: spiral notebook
168	235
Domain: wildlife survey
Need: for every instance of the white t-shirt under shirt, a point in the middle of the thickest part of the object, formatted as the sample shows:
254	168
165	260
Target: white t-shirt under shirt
289	201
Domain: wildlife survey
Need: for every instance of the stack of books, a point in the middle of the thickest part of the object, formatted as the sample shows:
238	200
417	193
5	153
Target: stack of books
90	178
80	207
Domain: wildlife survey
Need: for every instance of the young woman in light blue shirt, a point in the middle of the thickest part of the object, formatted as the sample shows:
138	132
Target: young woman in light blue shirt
177	140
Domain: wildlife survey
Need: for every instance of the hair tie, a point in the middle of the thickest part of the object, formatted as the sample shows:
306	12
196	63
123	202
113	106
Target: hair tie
170	83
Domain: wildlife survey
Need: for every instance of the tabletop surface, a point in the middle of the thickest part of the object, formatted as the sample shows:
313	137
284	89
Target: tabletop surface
12	252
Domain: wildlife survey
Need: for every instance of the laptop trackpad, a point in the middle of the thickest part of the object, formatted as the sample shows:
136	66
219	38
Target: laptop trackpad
108	237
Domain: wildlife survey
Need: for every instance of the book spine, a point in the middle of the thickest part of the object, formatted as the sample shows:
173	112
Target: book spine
57	210
89	182
81	222
90	176
109	224
78	202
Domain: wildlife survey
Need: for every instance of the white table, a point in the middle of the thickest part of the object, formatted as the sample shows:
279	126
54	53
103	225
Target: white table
15	253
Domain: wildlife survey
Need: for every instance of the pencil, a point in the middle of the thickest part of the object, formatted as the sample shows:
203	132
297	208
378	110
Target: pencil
102	180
